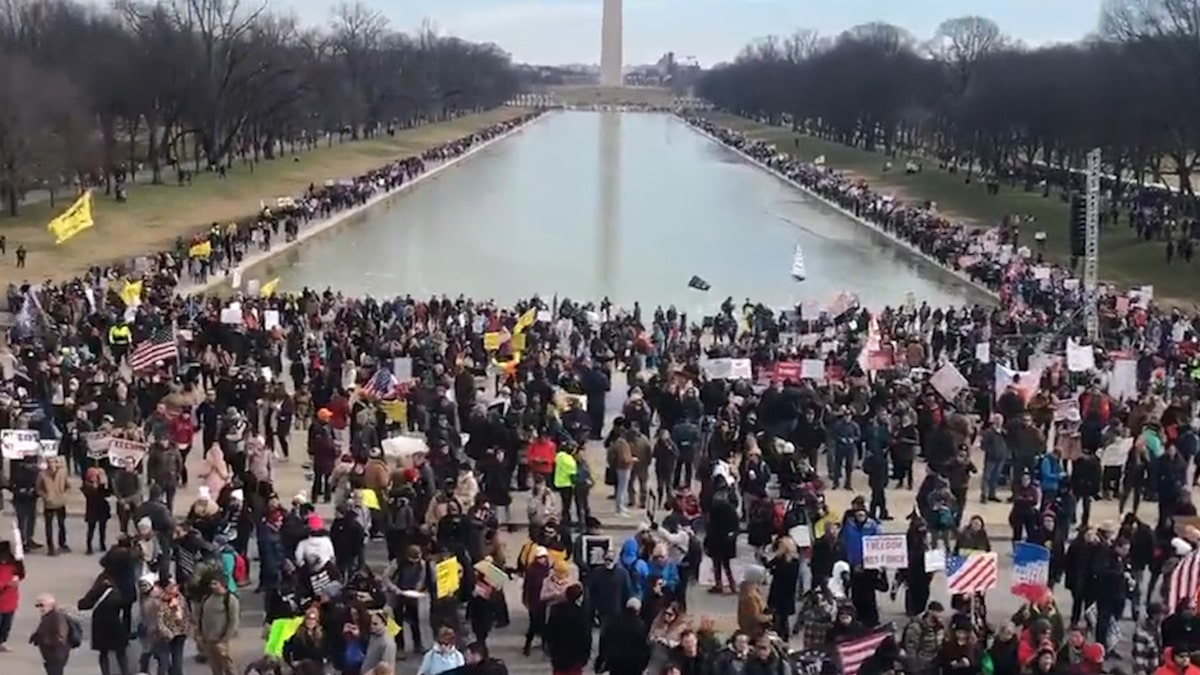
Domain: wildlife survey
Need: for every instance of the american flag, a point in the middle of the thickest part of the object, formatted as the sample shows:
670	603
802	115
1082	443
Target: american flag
383	384
1185	582
972	574
853	653
161	345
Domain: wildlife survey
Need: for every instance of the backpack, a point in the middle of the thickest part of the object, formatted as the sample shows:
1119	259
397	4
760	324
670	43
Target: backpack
74	632
241	570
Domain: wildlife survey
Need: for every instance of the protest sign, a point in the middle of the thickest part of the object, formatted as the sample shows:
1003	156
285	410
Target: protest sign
1031	570
885	551
97	443
448	574
125	453
20	443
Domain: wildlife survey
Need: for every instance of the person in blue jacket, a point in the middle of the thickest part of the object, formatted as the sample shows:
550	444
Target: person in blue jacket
853	531
660	566
639	572
1050	475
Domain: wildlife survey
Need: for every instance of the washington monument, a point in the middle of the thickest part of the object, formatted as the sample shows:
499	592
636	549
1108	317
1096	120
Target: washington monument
610	45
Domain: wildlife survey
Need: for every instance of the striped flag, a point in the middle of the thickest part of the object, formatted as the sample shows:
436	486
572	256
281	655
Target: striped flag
383	384
1185	582
972	574
161	345
853	653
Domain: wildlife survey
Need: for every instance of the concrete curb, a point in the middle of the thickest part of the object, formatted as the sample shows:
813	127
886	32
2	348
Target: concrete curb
341	217
963	278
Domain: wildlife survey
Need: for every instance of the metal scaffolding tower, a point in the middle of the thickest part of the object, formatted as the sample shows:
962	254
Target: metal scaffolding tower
1091	258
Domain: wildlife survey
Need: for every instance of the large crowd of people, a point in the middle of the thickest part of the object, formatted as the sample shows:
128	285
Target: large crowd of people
115	381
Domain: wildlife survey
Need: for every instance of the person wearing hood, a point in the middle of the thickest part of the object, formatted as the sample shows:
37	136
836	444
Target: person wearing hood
536	574
348	537
720	540
631	560
316	565
110	632
960	654
569	634
623	649
271	554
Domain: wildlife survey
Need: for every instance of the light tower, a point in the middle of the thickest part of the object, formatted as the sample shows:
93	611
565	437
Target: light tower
610	45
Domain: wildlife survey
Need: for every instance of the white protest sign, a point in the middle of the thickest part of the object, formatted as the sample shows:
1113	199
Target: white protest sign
983	352
935	560
20	443
1122	381
948	382
97	443
718	369
739	369
813	369
48	448
124	453
544	316
1080	358
1117	453
802	535
403	447
232	315
270	319
885	551
402	368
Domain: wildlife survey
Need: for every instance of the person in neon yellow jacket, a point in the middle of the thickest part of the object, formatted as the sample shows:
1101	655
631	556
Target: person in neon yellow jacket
563	480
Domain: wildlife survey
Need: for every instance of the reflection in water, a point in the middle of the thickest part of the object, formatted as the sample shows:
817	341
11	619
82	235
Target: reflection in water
609	206
659	201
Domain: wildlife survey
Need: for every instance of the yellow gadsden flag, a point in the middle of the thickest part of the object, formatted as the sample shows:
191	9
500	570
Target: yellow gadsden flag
268	289
525	320
74	220
131	293
201	250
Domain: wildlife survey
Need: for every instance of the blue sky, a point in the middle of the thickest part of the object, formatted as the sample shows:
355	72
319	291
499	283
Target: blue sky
568	31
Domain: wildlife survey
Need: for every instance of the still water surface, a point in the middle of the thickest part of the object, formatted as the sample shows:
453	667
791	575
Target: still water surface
628	206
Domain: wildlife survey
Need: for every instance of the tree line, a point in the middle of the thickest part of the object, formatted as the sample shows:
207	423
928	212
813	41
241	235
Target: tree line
972	95
88	93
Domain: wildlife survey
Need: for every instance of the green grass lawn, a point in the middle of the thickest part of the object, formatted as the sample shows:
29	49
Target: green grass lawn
156	215
1124	259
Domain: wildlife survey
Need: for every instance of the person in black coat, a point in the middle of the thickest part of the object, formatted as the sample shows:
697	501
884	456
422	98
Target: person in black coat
785	578
623	649
1085	482
109	634
1080	555
720	542
569	633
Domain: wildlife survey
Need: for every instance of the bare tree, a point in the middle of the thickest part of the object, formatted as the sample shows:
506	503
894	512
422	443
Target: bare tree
42	132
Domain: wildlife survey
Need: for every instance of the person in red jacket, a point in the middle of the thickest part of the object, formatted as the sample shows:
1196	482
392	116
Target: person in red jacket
1177	662
12	571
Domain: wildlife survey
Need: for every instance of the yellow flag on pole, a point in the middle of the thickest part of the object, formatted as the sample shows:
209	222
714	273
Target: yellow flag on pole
268	289
131	293
525	320
74	220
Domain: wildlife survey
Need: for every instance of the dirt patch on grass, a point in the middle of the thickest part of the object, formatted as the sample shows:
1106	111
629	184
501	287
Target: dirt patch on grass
156	215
